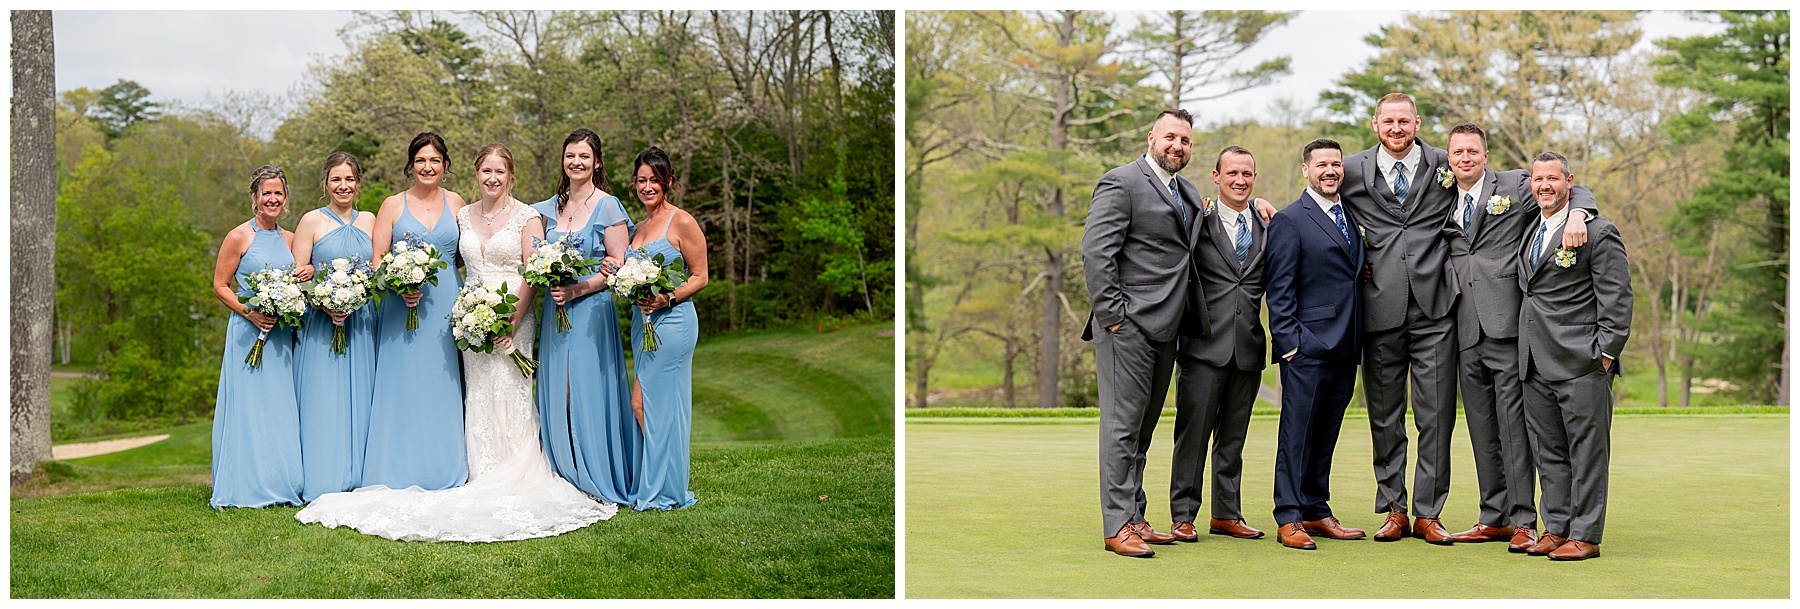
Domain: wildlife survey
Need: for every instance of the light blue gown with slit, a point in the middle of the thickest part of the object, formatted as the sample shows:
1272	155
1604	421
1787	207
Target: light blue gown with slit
416	422
666	376
256	422
583	397
335	391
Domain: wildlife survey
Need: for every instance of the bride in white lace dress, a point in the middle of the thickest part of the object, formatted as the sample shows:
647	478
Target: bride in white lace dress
512	492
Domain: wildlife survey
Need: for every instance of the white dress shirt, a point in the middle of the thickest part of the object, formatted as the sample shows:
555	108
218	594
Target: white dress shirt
1162	177
1412	166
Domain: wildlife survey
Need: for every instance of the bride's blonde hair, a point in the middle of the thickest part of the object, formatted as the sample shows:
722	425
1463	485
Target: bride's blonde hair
499	150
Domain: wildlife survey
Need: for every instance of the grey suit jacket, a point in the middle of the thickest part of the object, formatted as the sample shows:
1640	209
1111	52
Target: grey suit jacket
1134	253
1485	271
1404	245
1569	316
1233	295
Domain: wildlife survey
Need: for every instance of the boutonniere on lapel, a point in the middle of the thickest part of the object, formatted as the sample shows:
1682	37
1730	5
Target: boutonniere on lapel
1364	233
1565	256
1445	178
1207	205
1498	204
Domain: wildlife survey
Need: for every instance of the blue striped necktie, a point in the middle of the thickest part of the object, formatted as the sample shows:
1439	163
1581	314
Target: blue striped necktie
1468	211
1537	245
1401	186
1180	205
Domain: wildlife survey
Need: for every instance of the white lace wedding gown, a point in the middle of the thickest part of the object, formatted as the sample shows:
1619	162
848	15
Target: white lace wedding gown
512	493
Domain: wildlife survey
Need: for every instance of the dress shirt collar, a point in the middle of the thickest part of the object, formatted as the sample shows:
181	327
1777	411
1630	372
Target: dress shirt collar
1162	177
1473	197
1230	216
1411	160
1325	205
1554	223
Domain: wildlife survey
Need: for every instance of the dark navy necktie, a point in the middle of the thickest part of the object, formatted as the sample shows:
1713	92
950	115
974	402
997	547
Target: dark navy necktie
1337	213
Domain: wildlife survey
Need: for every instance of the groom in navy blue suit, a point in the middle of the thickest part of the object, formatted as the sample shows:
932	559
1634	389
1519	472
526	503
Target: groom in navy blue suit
1315	257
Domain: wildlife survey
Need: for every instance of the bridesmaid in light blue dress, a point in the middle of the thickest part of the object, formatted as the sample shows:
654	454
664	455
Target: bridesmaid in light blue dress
256	423
589	434
416	423
663	394
335	390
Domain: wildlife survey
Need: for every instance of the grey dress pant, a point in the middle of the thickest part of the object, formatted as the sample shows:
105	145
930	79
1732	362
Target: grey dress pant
1494	406
1428	348
1133	371
1212	407
1571	429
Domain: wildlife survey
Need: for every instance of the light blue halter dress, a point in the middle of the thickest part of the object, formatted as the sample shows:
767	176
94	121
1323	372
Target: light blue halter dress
256	422
666	376
335	390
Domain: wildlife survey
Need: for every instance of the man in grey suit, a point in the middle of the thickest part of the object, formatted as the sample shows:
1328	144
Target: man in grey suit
1396	191
1219	375
1573	324
1141	285
1492	214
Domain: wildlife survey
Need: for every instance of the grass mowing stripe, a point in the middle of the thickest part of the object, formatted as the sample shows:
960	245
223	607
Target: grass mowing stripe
1666	472
761	530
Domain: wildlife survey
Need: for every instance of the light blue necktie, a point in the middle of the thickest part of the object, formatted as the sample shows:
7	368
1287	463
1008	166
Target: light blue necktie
1400	185
1243	239
1537	245
1180	205
1337	213
1468	211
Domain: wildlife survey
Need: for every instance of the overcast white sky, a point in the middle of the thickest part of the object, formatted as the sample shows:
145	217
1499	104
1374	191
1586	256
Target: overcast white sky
187	55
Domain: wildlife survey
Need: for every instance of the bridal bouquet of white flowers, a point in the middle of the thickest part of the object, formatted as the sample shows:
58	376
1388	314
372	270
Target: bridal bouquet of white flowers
342	287
644	276
481	315
555	263
410	264
274	292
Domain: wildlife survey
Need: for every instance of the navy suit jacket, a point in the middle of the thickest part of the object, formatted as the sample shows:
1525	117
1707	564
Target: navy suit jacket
1314	298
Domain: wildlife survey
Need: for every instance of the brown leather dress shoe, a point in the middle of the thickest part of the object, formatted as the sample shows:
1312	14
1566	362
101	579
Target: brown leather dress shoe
1432	531
1292	536
1330	527
1395	527
1150	536
1127	543
1184	531
1522	538
1576	549
1482	533
1235	528
1545	545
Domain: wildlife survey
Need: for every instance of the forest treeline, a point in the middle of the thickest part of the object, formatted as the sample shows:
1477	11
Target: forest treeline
780	124
1013	116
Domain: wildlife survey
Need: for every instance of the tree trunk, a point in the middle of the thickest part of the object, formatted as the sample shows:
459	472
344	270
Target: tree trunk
33	235
1050	353
1687	380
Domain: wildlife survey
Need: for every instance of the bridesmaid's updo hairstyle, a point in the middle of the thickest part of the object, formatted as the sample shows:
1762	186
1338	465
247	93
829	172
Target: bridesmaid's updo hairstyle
593	141
419	142
331	162
661	170
498	150
264	174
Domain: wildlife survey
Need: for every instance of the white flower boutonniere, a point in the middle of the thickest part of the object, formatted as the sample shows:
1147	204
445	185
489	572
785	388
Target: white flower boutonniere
1207	205
1498	204
1445	178
1565	257
1364	233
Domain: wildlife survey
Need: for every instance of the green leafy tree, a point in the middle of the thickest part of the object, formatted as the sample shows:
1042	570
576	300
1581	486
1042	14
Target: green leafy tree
1743	73
122	105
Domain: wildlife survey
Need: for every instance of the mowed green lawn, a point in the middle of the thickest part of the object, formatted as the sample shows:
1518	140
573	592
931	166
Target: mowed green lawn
805	510
1698	507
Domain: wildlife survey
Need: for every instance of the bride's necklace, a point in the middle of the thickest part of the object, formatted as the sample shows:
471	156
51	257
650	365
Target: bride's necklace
488	217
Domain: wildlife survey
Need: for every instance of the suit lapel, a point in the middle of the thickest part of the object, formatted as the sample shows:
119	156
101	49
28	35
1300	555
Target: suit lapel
1197	227
1221	237
1489	183
1320	217
1423	177
1163	190
1377	183
1259	235
1551	238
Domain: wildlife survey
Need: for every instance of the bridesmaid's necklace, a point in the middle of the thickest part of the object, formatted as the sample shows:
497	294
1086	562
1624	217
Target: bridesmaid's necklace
585	203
